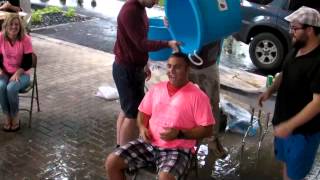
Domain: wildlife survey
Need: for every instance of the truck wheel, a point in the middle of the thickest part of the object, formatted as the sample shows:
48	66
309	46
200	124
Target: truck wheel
266	51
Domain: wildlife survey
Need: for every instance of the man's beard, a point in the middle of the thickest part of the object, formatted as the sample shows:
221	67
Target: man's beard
298	44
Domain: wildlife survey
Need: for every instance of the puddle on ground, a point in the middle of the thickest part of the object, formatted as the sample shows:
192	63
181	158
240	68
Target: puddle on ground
227	168
249	162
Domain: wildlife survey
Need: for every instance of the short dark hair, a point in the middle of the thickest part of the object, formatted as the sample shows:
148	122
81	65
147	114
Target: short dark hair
182	56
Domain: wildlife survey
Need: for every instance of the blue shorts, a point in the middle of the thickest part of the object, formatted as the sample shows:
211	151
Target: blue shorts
130	85
298	152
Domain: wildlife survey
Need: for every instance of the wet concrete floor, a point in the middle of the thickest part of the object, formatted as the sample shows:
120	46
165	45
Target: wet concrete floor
99	34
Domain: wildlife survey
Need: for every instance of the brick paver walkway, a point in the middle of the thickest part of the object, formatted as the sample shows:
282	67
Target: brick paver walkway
74	131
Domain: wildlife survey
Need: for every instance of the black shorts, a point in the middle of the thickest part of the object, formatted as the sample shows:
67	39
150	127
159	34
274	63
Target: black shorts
130	85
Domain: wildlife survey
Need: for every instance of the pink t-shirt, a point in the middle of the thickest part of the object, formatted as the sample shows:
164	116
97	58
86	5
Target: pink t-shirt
13	54
187	108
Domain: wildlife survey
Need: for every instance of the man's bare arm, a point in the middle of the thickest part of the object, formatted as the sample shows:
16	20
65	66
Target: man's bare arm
198	132
143	121
272	89
276	84
8	6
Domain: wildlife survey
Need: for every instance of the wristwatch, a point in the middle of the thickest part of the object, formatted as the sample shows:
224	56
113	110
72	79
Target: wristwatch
180	135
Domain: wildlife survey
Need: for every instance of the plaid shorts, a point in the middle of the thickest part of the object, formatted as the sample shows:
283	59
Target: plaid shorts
138	154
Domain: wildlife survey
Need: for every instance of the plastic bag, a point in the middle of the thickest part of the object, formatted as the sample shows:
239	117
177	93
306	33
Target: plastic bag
238	119
108	93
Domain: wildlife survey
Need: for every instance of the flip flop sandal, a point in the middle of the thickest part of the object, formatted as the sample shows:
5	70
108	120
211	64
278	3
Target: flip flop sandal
6	127
15	127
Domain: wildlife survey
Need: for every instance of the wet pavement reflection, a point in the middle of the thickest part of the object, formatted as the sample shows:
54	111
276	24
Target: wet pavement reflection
236	55
226	168
100	33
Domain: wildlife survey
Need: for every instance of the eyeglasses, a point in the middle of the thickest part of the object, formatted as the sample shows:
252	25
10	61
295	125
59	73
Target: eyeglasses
293	29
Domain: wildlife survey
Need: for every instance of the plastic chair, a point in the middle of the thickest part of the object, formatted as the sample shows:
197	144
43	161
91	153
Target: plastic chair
33	89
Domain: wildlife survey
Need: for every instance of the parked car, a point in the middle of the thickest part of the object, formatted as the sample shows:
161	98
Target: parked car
266	31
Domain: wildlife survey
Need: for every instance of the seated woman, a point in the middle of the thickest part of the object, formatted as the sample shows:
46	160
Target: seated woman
11	6
15	60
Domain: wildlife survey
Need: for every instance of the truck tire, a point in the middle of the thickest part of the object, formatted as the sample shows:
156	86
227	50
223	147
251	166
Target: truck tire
266	51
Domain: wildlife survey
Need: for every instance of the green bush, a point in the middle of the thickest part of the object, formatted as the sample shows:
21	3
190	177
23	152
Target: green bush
51	9
161	2
71	12
36	17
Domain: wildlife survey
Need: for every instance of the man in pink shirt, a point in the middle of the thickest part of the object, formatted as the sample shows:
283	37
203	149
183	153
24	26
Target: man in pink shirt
130	68
172	116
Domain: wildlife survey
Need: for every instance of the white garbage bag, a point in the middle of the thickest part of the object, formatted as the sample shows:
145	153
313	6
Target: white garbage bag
107	92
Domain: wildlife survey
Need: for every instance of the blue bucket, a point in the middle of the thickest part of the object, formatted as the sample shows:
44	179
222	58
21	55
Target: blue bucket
158	31
198	22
